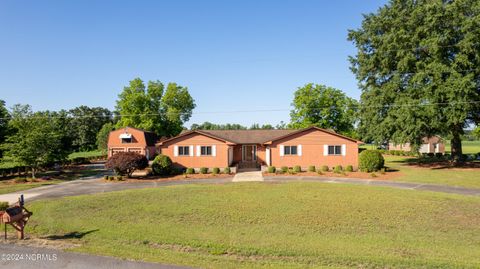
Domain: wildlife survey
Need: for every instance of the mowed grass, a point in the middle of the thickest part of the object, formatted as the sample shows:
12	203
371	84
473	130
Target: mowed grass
460	177
7	187
86	154
267	225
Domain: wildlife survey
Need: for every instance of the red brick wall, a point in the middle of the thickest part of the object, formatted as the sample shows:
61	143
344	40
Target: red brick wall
313	142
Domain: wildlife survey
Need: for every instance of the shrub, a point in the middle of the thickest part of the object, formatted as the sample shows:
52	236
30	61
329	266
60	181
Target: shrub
190	171
125	163
271	169
203	170
3	206
297	169
338	169
349	168
119	178
227	170
216	170
373	175
20	180
431	154
324	168
162	165
291	171
319	172
106	177
382	170
370	161
284	169
311	168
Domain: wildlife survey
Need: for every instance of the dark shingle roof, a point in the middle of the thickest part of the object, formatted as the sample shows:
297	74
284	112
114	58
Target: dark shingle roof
248	136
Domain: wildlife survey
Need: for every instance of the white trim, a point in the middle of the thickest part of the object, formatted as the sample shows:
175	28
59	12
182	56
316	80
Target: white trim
267	156
325	150
344	150
191	150
282	148
214	150
198	151
125	135
299	150
175	151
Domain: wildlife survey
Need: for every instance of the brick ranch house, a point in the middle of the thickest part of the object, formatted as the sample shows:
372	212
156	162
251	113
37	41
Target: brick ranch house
255	148
432	144
131	139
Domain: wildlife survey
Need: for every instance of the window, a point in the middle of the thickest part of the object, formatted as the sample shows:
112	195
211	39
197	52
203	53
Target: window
290	150
183	151
126	140
334	150
206	150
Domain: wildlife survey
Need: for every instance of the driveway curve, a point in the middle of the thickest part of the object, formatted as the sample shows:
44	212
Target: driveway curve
97	185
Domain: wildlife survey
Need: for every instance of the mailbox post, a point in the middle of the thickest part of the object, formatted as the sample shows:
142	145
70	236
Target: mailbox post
17	216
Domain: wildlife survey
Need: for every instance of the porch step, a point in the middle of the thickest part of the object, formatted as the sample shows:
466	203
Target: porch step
248	176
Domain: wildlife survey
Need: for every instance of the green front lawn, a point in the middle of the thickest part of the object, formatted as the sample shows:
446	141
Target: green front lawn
262	225
86	154
461	177
8	187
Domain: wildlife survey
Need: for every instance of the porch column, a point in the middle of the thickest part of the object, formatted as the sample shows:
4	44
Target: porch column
267	156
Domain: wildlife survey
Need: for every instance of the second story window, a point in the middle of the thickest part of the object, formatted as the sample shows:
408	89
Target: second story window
206	150
126	140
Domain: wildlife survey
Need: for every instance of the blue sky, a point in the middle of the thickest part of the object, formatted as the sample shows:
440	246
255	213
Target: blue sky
232	55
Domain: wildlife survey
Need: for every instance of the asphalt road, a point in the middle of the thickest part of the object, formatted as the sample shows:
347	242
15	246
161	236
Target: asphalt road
23	257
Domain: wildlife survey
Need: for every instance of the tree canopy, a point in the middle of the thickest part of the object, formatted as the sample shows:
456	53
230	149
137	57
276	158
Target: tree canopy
418	66
38	138
153	108
85	123
324	107
4	118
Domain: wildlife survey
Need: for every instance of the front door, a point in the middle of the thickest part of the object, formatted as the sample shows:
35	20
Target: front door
249	153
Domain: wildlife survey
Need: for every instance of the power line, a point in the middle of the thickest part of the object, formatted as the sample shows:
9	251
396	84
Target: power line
250	111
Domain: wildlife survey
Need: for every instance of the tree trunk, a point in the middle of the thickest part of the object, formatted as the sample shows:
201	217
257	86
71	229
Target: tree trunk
456	146
33	172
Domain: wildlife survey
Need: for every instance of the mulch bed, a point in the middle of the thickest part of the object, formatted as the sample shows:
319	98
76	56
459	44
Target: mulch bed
173	178
361	175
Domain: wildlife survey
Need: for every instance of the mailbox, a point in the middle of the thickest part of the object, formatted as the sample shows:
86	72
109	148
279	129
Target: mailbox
17	216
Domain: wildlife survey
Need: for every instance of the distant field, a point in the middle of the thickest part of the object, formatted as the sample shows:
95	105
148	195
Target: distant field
262	225
468	147
86	154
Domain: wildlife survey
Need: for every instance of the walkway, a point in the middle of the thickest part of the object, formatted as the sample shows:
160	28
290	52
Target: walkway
248	176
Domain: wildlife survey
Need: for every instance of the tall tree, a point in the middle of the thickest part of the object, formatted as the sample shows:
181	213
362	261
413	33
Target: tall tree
37	139
102	136
324	107
4	118
153	109
85	123
418	65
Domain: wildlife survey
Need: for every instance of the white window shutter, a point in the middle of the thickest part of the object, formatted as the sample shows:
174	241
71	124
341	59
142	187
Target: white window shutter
299	150
281	150
198	151
344	150
325	150
175	150
214	150
191	150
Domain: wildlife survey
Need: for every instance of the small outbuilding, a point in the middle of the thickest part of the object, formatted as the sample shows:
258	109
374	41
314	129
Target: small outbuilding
432	144
131	139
